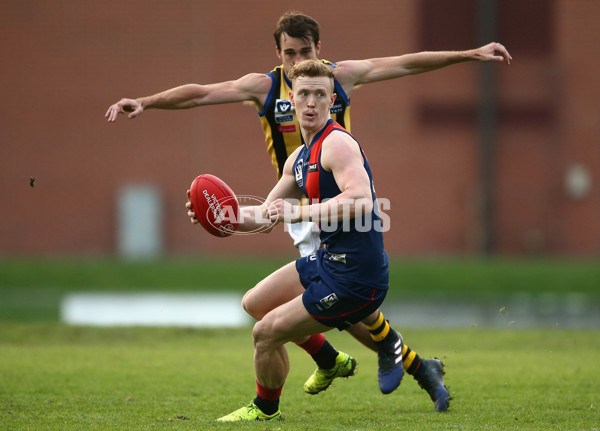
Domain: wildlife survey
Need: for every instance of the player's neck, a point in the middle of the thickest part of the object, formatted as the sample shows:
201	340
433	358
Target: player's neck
308	136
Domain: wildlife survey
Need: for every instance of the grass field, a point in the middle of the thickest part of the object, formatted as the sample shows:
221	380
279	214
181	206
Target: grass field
54	377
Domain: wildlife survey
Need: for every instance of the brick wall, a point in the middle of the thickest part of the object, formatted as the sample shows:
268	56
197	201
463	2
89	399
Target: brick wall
65	62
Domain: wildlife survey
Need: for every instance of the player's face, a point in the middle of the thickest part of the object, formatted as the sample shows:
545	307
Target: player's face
312	99
294	50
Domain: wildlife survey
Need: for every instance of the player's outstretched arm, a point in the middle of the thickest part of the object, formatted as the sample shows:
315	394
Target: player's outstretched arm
253	87
357	72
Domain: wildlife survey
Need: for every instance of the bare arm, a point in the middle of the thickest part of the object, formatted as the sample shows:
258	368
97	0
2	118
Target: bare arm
284	195
340	155
253	87
356	72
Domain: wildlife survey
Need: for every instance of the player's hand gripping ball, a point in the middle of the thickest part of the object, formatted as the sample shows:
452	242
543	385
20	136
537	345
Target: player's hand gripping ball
215	205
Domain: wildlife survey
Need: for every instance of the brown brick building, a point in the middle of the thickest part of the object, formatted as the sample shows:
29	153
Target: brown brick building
472	158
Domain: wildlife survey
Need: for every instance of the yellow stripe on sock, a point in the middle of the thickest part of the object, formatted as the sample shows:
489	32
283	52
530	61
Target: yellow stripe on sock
408	360
382	334
377	323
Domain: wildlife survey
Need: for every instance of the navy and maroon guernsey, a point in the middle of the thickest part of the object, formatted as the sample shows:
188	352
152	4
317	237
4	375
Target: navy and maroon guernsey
354	251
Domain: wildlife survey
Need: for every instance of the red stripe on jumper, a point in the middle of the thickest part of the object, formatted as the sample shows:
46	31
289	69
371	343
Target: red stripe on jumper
313	186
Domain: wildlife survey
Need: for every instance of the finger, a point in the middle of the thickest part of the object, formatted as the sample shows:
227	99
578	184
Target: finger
134	112
503	51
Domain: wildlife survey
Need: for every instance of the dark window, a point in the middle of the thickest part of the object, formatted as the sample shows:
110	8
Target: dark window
447	25
524	26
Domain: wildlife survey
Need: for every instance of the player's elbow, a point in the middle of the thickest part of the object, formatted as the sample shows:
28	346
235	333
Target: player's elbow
363	205
362	201
348	208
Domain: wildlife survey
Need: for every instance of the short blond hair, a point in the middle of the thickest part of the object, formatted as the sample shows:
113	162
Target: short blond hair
311	69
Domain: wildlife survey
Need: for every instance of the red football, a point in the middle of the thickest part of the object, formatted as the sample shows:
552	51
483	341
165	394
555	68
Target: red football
215	205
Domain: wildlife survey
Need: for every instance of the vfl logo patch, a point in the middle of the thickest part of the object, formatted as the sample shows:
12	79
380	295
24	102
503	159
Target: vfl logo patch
313	167
328	301
283	105
284	111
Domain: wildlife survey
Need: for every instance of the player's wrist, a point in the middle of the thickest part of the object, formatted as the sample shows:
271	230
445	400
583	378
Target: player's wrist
301	213
143	102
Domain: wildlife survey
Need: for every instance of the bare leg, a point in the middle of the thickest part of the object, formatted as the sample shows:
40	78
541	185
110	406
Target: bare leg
288	322
276	289
361	333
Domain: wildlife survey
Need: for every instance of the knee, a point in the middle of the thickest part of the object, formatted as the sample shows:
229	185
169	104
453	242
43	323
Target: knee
262	335
252	306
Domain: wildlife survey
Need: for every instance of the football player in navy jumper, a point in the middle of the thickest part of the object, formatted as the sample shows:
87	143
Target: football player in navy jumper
342	283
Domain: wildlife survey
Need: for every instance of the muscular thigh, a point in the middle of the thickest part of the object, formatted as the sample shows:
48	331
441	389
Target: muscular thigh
278	288
287	322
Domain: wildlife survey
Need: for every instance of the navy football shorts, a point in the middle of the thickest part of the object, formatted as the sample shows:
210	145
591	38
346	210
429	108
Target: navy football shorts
335	304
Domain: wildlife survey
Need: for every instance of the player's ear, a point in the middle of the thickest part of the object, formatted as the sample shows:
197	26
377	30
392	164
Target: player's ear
292	101
318	47
333	96
278	51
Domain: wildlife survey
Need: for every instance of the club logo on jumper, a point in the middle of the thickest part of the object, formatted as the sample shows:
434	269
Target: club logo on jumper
328	301
313	167
298	172
284	111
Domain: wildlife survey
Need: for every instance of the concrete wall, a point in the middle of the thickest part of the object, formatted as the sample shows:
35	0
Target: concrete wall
65	62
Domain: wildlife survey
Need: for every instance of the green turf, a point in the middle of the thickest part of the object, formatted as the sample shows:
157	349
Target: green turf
54	377
31	289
